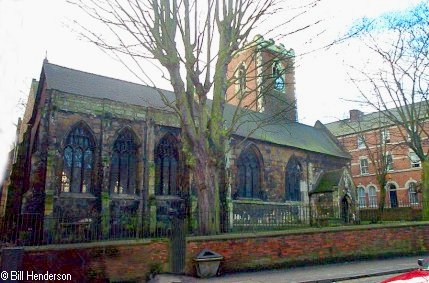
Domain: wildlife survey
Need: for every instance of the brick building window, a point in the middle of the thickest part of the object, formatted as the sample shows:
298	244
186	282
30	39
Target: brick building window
249	174
372	196
78	158
293	180
414	159
361	197
166	166
123	166
389	161
412	193
363	163
361	142
385	136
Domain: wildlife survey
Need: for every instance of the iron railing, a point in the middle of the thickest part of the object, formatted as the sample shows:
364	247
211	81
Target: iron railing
34	229
246	216
401	211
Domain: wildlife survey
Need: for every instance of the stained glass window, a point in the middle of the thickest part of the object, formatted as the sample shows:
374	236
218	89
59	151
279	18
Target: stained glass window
77	161
293	180
249	182
123	169
166	161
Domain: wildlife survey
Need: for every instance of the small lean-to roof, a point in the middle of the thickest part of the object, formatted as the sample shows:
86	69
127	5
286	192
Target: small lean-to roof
328	181
284	133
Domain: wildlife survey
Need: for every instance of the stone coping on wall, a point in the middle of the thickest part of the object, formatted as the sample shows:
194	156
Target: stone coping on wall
124	196
261	202
100	244
229	236
65	195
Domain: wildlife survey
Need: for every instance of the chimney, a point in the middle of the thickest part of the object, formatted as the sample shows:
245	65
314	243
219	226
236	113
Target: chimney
355	115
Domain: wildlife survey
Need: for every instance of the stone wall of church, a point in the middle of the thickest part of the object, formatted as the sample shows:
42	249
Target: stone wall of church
274	159
105	119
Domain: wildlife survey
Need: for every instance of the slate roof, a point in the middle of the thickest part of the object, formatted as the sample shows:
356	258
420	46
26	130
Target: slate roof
290	134
370	121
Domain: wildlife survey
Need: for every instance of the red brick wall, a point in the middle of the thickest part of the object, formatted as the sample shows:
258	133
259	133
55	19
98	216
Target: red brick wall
99	261
402	171
133	260
282	248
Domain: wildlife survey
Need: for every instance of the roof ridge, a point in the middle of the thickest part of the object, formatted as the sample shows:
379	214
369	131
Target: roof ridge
373	112
106	77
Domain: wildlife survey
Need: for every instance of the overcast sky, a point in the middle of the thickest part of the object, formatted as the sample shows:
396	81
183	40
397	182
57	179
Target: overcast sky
31	29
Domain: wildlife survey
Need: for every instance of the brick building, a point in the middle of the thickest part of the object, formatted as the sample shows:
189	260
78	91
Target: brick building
363	135
95	147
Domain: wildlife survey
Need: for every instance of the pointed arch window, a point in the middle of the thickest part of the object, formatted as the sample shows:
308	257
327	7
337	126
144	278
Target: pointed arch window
123	166
78	159
166	166
293	180
249	177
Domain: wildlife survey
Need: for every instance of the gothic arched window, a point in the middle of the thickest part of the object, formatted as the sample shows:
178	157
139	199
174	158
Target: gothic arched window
249	179
293	180
166	166
78	157
123	166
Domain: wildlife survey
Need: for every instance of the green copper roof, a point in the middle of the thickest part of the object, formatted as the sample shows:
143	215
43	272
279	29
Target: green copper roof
271	46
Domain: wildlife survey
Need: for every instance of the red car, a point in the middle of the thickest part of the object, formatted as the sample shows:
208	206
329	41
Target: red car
416	276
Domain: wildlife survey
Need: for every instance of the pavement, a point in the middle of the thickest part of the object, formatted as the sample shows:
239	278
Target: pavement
344	271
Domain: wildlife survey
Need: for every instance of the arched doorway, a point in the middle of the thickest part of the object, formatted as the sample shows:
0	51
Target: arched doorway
345	209
392	195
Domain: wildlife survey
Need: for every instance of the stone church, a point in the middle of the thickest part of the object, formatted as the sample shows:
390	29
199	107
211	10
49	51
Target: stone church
92	146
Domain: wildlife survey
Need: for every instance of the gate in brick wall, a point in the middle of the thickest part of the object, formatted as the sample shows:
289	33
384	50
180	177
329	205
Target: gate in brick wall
177	214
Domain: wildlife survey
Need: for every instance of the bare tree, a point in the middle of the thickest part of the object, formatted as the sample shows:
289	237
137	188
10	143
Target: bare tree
194	43
396	83
373	139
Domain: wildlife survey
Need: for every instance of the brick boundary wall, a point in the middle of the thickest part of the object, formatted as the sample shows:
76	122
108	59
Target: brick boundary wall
135	259
102	261
282	249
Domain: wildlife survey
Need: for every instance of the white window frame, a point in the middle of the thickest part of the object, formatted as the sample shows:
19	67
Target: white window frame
412	196
362	167
372	196
361	142
361	198
389	166
414	164
385	136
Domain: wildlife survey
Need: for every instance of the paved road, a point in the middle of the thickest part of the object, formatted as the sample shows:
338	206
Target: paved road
372	279
345	272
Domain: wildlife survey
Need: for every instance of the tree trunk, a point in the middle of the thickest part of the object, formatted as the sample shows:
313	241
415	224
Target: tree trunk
382	202
425	189
207	179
